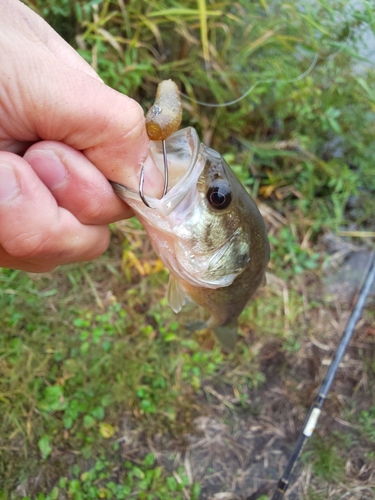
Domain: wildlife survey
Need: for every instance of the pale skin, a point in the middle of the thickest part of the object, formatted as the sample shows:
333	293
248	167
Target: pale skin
63	134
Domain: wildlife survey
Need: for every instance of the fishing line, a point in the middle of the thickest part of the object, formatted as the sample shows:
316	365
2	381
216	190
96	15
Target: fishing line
316	407
248	92
271	80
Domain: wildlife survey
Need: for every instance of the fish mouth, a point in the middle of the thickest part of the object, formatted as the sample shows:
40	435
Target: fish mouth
184	168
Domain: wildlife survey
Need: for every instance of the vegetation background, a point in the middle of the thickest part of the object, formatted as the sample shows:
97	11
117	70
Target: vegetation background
103	394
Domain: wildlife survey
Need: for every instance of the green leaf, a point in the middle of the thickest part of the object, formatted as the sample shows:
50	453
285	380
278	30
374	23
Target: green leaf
44	445
98	413
88	421
137	472
149	460
53	399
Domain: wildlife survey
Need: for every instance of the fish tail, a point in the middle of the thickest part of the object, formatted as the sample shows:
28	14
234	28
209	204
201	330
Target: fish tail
227	335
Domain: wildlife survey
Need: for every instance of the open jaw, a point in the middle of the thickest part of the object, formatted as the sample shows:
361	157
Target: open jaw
184	167
186	160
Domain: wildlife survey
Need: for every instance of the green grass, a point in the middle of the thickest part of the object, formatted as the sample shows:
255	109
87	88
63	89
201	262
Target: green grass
69	372
218	51
101	481
91	356
367	420
327	461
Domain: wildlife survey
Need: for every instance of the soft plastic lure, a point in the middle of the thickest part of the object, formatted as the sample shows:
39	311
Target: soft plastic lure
165	116
162	120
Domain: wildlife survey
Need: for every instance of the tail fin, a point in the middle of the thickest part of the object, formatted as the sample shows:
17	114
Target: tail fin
227	335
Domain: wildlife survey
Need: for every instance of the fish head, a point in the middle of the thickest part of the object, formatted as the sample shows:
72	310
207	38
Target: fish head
215	234
199	227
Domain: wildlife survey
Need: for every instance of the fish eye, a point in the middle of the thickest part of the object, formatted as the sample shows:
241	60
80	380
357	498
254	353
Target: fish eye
219	195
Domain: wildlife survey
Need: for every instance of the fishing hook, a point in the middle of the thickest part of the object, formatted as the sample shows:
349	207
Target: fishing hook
142	176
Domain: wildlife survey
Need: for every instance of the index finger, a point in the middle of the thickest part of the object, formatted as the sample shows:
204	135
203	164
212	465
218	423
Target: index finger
108	127
59	102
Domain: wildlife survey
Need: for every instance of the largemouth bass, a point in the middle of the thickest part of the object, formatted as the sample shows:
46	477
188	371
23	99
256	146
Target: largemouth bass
207	230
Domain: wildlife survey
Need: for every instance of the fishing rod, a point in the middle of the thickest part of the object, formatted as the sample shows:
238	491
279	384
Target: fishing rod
316	407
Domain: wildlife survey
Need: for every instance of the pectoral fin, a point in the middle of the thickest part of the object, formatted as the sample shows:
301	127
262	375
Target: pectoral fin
227	335
264	280
176	295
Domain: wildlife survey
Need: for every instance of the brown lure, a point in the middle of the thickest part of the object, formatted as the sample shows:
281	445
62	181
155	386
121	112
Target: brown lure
164	118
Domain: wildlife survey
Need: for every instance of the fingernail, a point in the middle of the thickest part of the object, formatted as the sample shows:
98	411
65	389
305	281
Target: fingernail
8	182
48	167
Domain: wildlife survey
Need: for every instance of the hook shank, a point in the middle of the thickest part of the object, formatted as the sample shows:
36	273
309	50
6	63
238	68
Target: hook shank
142	176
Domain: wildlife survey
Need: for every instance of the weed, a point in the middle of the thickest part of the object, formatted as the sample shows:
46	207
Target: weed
326	460
69	385
288	255
367	420
312	133
101	481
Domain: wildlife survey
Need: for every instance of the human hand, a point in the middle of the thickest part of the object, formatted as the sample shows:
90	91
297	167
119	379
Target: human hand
63	133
